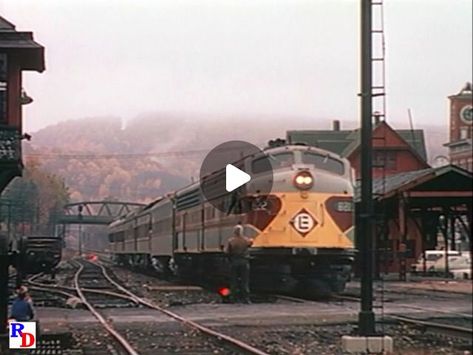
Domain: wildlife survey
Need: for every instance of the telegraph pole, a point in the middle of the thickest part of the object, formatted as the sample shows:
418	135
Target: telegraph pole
366	319
80	208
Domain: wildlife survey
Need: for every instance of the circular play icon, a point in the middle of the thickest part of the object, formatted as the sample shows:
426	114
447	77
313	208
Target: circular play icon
234	175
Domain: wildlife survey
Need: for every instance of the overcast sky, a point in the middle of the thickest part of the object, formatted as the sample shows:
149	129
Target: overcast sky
294	58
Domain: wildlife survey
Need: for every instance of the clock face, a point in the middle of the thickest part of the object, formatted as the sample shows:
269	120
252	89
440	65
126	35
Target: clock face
466	114
440	160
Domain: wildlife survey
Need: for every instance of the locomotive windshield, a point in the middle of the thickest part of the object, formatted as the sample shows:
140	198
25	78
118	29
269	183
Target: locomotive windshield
278	161
324	162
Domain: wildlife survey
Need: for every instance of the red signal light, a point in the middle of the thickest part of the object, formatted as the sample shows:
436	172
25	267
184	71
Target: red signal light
224	291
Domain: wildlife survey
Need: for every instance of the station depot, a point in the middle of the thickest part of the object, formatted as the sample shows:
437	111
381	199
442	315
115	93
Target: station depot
418	207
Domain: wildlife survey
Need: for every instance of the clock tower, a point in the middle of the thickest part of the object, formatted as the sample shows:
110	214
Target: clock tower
461	128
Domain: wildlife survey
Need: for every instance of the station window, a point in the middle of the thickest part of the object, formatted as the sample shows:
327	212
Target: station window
3	88
385	159
324	162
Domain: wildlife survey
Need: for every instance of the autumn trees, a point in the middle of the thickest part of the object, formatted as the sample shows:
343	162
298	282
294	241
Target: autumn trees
31	203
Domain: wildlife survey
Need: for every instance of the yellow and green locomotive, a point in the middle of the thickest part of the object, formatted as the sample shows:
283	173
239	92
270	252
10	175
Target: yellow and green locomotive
302	229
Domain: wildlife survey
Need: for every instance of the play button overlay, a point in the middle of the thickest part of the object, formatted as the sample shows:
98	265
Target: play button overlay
234	175
234	178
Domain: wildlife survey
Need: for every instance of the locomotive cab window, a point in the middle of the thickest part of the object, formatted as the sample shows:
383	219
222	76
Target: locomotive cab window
278	161
324	162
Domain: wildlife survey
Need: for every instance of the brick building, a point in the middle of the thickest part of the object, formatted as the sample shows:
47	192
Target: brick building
461	128
394	151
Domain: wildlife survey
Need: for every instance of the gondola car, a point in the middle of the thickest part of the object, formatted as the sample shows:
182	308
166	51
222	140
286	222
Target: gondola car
302	229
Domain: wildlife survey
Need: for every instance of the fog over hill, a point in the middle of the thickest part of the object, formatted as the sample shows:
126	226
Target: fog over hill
157	153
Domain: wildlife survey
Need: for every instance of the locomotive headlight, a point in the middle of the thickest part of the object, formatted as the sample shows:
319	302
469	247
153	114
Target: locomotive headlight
303	180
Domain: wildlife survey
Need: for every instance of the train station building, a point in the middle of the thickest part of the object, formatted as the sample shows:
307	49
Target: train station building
394	150
417	207
421	210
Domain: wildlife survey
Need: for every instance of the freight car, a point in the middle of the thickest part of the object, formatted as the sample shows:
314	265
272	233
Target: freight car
302	229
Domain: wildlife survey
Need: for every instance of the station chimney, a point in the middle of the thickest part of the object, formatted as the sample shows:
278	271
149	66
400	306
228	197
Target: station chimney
336	125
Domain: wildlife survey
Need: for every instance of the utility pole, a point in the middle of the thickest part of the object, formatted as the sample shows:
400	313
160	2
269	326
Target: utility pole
366	341
366	319
80	208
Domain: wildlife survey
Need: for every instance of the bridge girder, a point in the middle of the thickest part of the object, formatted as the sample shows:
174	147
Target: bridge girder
95	212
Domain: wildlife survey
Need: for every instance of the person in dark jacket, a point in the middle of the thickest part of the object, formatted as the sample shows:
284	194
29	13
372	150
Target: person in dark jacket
22	307
237	249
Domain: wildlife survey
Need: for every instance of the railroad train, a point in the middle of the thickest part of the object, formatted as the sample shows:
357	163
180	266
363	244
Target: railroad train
38	253
303	230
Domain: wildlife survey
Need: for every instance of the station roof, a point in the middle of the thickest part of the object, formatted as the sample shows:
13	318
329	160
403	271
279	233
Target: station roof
344	142
446	179
28	53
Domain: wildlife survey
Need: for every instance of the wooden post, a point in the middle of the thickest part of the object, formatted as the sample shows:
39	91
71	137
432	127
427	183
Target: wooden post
452	230
402	238
444	228
470	219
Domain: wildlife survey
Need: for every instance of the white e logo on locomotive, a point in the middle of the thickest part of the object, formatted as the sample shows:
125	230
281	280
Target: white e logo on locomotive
303	222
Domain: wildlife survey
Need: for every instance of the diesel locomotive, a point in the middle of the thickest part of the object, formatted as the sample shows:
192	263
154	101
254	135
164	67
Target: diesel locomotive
303	229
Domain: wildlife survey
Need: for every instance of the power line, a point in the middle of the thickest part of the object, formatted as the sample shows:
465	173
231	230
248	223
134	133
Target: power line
96	156
67	156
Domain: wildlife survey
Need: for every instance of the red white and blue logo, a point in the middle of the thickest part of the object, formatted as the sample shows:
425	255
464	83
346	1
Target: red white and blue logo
22	335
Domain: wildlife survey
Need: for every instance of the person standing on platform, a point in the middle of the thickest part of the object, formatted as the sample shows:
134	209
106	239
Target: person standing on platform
237	249
22	307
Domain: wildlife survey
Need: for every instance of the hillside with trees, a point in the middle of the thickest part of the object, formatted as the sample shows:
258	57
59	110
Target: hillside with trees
101	158
31	203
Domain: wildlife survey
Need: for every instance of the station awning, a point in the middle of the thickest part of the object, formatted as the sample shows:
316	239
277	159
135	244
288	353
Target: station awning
446	182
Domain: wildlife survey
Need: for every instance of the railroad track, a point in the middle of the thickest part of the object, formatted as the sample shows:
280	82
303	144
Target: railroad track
443	323
92	278
436	327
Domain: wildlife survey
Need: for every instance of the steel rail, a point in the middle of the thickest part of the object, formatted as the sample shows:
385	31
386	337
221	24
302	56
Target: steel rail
346	298
465	315
440	328
230	340
53	290
292	299
128	295
62	290
123	342
425	309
